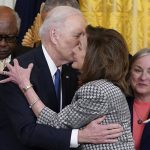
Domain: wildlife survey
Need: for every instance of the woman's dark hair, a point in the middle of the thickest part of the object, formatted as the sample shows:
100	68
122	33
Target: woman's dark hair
106	57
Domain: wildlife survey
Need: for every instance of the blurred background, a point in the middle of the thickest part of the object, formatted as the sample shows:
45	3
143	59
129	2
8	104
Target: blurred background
129	17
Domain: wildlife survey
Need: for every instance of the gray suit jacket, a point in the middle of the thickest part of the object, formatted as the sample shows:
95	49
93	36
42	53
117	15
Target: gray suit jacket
92	100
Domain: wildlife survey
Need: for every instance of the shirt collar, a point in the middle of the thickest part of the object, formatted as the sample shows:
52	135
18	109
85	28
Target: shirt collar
50	62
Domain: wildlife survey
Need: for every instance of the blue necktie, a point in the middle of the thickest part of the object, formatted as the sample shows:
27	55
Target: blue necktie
57	83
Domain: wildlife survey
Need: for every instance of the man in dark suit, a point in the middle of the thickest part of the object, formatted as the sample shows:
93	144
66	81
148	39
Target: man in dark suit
60	34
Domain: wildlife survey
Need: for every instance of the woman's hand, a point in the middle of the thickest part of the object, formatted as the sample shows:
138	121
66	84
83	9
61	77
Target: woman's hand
17	74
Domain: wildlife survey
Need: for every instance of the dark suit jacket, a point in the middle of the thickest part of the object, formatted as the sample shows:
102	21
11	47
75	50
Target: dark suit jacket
145	141
20	50
18	128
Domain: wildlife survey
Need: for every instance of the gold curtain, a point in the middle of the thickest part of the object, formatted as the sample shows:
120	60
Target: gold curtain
129	17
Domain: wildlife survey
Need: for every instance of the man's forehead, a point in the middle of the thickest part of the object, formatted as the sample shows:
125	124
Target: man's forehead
8	27
76	21
6	20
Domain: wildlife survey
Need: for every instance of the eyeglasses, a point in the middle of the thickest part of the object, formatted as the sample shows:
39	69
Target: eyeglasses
8	38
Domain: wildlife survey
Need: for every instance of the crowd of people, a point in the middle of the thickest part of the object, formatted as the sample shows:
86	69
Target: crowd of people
102	100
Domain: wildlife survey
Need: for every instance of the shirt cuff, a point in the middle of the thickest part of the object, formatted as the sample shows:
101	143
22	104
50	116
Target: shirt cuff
74	139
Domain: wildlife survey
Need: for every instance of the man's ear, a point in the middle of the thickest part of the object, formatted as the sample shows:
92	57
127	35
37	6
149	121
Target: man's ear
54	35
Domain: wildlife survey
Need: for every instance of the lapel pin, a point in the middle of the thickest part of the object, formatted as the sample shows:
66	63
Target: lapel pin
67	77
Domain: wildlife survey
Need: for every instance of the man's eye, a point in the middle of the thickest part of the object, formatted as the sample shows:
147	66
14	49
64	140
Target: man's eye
8	38
77	36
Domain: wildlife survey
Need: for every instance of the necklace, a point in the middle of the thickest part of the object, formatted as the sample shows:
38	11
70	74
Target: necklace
139	121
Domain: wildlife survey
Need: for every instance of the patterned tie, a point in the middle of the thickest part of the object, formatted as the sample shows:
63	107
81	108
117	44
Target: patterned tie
57	84
1	65
4	61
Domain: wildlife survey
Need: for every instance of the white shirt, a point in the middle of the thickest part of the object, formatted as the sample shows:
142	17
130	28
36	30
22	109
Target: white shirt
53	69
4	62
9	3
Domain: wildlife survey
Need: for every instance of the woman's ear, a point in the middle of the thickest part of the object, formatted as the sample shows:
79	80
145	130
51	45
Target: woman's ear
54	35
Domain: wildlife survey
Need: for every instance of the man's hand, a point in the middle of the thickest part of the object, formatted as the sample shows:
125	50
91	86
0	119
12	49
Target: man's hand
96	133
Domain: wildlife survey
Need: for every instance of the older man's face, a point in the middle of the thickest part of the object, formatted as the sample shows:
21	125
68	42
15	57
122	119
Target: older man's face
70	38
8	32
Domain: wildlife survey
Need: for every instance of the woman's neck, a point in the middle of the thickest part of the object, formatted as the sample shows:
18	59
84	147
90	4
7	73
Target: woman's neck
143	97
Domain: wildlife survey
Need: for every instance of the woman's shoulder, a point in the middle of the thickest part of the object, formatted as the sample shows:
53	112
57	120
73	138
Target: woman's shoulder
102	84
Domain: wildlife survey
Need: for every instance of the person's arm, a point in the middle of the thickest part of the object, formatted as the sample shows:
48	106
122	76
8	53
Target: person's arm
23	122
105	133
92	133
84	135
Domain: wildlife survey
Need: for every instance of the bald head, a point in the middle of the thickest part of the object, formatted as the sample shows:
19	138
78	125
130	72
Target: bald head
9	28
10	16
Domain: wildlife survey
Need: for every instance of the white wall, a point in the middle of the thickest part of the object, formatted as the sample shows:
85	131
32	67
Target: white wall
9	3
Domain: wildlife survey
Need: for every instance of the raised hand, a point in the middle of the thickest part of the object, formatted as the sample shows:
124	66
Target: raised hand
17	74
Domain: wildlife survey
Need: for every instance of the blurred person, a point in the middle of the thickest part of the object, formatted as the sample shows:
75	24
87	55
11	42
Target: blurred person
32	39
50	4
9	28
139	102
60	33
9	49
102	92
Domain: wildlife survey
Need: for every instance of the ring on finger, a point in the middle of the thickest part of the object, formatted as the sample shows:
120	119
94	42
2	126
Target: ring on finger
4	73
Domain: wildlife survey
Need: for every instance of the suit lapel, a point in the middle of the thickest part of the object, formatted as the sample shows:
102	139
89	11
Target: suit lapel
146	134
69	84
130	101
44	83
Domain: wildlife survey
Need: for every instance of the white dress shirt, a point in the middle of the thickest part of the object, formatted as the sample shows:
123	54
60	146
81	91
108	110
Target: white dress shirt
53	69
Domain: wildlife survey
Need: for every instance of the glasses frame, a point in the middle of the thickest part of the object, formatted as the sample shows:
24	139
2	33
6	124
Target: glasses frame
9	38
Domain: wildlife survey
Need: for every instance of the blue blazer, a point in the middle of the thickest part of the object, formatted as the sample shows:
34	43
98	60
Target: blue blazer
145	141
18	128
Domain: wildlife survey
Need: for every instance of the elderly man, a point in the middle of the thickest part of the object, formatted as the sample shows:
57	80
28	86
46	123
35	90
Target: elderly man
9	28
62	31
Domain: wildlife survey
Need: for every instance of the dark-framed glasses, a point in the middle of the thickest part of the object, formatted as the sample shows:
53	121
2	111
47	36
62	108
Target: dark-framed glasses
8	38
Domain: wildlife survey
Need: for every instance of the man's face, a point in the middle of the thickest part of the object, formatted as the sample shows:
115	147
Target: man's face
8	31
70	37
79	54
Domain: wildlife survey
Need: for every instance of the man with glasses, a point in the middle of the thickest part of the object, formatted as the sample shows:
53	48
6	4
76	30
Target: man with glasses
9	28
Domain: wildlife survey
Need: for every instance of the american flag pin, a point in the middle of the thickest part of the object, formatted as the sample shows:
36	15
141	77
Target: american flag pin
67	77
